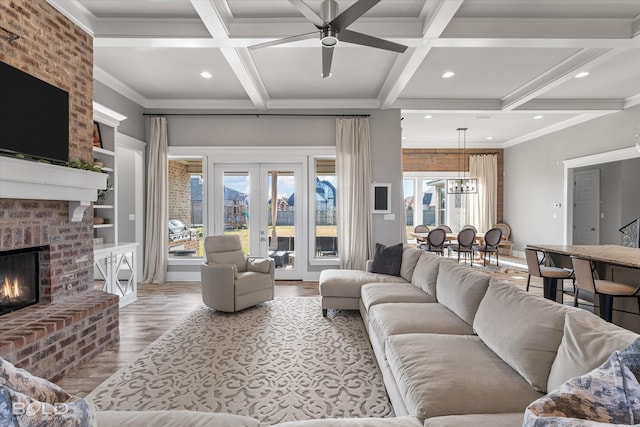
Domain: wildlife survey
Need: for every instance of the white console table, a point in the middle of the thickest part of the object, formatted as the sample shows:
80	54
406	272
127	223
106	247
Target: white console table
115	265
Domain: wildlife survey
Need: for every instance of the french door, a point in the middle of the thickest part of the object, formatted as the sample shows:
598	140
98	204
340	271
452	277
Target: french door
263	204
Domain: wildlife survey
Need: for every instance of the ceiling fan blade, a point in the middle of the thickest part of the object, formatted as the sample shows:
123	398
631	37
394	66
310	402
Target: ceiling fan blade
354	12
366	40
308	13
285	40
327	58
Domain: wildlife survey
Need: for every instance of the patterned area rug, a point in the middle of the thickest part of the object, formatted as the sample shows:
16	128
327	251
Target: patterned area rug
279	361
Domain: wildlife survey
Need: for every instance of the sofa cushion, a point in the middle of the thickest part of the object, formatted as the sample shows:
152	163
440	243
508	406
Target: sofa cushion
587	342
410	318
524	330
426	273
174	418
347	283
380	293
512	419
250	281
387	259
441	374
406	421
410	257
460	289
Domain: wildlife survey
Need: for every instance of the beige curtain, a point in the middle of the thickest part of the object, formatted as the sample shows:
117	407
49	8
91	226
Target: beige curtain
353	176
156	247
483	207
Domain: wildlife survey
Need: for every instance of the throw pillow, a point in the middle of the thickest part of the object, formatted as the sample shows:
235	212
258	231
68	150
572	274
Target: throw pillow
259	265
24	382
609	394
30	412
387	259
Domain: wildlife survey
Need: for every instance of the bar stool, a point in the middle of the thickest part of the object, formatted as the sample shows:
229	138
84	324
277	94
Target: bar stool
549	274
586	280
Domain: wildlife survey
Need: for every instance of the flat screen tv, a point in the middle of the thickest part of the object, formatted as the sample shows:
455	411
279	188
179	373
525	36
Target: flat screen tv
34	117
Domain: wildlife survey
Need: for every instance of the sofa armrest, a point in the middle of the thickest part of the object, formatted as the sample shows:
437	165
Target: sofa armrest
258	264
218	285
368	266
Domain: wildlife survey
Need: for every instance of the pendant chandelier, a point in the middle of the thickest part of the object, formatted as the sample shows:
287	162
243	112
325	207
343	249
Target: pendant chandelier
462	184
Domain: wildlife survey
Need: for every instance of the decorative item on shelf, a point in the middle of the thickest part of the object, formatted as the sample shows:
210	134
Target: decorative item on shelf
97	138
79	164
97	163
102	194
463	184
97	220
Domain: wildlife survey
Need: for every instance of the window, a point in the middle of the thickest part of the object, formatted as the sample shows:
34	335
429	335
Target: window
427	202
325	230
186	208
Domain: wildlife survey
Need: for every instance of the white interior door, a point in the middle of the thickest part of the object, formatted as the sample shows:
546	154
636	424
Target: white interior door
586	207
257	201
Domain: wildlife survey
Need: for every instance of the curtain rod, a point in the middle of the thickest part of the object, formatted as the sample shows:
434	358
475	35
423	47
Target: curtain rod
255	114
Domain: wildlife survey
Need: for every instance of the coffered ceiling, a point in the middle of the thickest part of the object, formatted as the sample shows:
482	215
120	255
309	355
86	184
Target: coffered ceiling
515	61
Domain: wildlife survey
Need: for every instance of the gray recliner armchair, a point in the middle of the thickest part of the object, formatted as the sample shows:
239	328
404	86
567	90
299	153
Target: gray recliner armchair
232	281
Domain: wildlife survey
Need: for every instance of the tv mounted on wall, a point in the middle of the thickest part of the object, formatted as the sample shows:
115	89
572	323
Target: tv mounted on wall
34	117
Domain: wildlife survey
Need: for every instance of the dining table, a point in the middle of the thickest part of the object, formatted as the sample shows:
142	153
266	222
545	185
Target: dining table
616	263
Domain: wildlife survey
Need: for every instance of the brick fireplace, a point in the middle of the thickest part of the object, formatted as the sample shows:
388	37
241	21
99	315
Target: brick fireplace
72	322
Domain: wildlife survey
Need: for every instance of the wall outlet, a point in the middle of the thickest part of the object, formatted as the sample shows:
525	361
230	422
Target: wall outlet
132	217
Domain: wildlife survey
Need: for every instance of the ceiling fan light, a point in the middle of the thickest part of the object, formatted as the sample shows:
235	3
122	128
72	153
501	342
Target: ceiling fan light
328	38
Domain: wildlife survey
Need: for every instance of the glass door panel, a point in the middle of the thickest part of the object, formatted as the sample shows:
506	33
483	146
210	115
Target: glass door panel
257	202
236	190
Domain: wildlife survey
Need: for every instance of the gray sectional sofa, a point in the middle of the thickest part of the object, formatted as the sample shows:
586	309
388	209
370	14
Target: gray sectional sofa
461	347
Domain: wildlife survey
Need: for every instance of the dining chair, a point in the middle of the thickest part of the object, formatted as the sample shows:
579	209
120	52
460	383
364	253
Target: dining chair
475	230
445	227
435	241
536	261
420	229
491	241
586	280
506	233
466	239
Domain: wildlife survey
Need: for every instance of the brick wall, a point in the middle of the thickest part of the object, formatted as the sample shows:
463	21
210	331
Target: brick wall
450	160
179	192
73	322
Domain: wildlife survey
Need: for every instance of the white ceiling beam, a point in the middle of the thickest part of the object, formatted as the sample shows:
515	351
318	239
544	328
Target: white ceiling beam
554	128
571	105
447	105
534	27
200	104
407	64
561	73
293	104
552	43
239	59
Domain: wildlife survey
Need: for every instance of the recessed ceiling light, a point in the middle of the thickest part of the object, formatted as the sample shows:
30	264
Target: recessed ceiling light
448	74
489	138
206	75
428	116
582	74
537	117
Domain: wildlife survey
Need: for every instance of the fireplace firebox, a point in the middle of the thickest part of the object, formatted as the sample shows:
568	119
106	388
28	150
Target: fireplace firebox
19	279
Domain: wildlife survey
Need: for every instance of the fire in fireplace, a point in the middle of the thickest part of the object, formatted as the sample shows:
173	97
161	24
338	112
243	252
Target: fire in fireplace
19	279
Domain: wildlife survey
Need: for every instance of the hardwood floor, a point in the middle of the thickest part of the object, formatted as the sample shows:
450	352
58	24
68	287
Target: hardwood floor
158	309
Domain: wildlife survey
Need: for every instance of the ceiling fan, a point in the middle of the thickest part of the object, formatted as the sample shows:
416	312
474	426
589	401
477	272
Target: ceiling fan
333	28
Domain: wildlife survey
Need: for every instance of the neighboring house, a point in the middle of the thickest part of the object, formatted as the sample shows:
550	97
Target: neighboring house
236	209
325	203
